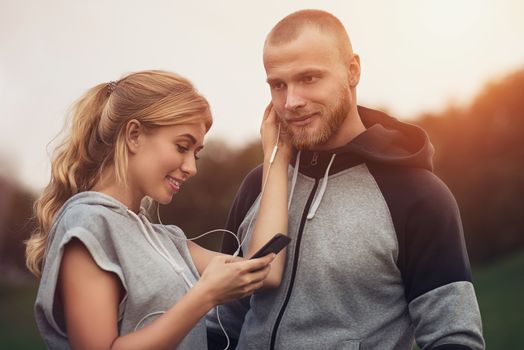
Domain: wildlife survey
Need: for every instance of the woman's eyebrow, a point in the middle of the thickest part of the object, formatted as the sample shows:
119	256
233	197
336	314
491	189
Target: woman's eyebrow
190	137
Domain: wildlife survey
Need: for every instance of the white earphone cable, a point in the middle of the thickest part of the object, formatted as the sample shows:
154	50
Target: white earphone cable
161	249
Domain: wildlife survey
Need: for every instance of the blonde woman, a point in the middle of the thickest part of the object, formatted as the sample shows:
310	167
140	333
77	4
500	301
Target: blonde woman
110	279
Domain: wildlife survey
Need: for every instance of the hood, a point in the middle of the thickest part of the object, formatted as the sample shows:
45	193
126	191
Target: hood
386	140
146	228
94	198
89	198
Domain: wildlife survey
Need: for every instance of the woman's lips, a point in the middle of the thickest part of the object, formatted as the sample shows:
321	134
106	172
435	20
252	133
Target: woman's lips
174	184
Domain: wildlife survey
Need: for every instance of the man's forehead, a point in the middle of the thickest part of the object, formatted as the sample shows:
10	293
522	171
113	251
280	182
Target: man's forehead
305	33
312	51
306	41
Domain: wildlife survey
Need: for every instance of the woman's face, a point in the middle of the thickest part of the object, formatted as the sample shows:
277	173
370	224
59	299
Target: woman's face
163	159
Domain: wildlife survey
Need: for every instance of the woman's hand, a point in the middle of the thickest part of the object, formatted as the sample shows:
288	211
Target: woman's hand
269	131
227	278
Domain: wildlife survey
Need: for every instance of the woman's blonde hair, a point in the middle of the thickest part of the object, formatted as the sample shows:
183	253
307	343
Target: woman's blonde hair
96	139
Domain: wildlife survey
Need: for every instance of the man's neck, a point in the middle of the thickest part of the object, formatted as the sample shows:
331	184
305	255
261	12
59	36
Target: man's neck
351	127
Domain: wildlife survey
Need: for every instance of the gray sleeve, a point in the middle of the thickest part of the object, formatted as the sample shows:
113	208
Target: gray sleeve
447	315
48	308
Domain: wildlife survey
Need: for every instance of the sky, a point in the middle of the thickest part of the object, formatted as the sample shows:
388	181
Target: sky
417	56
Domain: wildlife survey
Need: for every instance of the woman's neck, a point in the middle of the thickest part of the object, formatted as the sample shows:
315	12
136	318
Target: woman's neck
107	184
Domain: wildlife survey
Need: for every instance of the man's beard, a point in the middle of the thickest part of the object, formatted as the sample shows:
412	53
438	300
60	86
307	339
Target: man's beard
304	138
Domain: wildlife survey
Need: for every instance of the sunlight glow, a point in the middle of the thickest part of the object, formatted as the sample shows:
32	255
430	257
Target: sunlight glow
446	19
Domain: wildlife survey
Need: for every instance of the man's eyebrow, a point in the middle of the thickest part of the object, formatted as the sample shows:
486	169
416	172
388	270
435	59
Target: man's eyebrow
311	71
272	80
306	72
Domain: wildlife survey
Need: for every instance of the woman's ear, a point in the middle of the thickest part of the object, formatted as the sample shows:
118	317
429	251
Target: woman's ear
133	135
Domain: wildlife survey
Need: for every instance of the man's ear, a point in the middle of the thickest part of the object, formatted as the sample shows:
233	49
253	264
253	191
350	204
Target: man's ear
133	135
354	70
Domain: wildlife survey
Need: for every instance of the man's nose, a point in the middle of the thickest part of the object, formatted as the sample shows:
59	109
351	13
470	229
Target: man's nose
294	100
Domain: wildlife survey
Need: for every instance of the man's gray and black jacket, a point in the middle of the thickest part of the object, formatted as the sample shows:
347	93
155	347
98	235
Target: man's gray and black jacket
377	257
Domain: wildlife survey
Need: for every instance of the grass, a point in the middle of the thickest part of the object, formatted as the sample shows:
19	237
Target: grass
17	323
500	292
499	287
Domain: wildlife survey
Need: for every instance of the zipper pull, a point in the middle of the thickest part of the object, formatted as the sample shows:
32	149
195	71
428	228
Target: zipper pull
314	160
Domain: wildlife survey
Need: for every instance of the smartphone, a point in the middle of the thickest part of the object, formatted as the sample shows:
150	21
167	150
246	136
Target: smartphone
274	245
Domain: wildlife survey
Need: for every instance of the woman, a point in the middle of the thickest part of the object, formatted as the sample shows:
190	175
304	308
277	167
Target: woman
110	278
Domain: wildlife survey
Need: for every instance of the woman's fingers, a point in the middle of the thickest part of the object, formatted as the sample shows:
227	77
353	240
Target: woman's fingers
268	111
229	277
257	264
260	275
252	288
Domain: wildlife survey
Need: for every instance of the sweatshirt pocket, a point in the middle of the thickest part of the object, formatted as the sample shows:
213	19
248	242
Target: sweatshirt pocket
353	344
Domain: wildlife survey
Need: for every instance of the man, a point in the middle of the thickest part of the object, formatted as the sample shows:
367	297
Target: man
377	258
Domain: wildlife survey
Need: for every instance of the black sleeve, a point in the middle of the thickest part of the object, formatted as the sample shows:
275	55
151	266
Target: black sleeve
245	197
432	258
433	252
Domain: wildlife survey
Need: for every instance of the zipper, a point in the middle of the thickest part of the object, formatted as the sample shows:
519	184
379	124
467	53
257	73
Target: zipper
295	263
314	160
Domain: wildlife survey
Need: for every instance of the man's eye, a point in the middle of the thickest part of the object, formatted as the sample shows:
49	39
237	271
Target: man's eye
309	79
277	85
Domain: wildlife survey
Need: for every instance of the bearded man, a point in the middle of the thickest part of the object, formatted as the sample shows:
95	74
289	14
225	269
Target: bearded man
377	259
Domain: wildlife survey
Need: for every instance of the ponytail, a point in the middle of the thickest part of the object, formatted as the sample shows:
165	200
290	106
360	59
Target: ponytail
97	140
75	168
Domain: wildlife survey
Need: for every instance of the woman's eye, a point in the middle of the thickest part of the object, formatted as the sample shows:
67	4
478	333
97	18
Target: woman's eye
182	149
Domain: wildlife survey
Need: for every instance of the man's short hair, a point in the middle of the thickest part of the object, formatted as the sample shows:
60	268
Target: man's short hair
291	26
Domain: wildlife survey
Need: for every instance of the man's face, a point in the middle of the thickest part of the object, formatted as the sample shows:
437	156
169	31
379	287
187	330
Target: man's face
309	88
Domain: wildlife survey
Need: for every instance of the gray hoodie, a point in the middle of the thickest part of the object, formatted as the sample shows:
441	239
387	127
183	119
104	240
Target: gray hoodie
120	242
377	258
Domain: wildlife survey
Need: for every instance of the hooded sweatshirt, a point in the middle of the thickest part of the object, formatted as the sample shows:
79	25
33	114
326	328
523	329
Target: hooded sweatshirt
123	243
377	257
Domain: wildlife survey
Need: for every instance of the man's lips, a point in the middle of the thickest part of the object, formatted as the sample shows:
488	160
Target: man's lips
302	120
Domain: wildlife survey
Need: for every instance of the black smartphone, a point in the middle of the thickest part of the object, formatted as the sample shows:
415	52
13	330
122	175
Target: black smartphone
274	245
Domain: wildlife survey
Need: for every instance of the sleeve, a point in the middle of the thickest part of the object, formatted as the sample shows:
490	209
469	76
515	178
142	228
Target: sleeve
48	308
436	272
232	314
432	258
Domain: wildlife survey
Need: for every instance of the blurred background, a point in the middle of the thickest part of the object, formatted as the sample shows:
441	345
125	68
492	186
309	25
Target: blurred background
456	68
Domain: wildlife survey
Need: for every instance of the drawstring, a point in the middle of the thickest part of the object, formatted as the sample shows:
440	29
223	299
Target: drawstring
320	194
294	180
159	246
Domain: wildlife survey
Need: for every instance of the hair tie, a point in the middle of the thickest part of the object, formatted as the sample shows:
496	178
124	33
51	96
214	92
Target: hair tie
111	86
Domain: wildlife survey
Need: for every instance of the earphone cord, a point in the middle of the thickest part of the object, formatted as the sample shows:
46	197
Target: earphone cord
271	160
194	238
